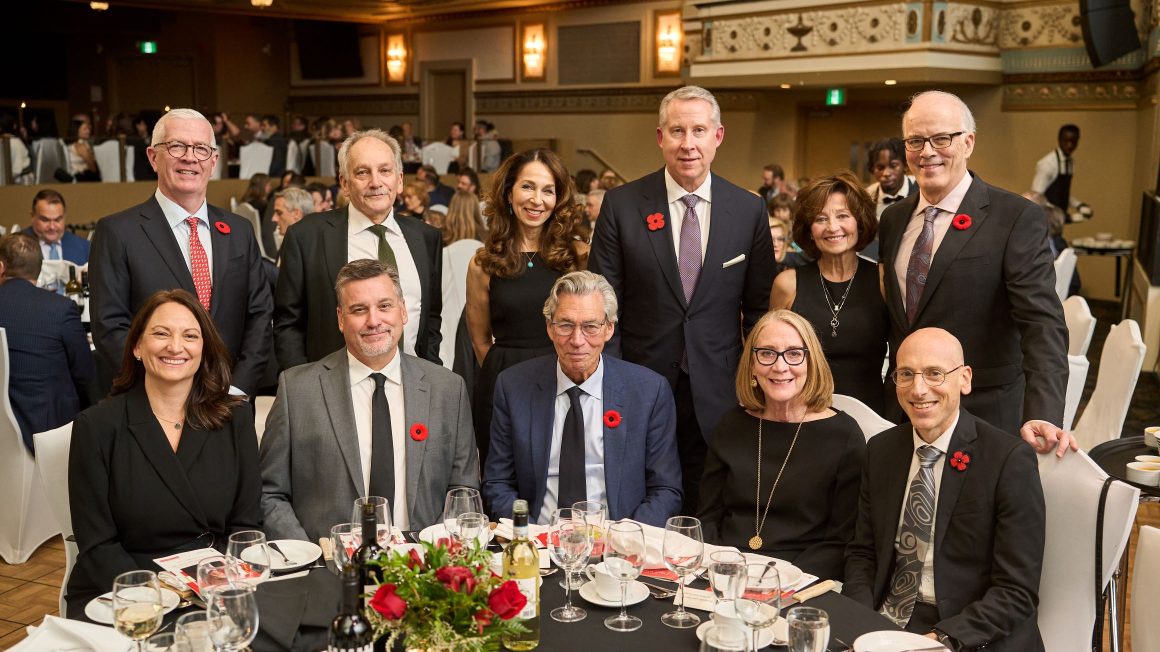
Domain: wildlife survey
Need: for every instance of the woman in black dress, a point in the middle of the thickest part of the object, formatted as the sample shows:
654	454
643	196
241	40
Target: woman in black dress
839	292
783	470
533	222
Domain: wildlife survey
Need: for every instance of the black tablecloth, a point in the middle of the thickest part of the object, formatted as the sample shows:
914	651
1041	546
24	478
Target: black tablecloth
1113	457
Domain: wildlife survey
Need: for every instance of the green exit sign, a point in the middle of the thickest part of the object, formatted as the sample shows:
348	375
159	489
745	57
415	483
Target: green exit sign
147	47
835	97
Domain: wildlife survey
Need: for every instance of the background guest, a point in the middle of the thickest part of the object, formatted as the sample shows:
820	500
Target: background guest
779	233
456	138
586	181
49	223
415	200
437	192
261	185
464	220
82	163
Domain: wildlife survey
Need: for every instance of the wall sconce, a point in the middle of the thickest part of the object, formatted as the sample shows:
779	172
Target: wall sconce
670	36
535	50
261	4
396	59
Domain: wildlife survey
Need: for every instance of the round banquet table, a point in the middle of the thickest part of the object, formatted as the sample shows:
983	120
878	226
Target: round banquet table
1113	457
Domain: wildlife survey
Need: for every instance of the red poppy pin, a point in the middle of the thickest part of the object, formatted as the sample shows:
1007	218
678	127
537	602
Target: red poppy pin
962	221
960	461
419	432
656	221
222	227
612	418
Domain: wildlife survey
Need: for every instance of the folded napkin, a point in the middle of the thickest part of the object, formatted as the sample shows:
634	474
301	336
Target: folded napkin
59	634
538	533
654	538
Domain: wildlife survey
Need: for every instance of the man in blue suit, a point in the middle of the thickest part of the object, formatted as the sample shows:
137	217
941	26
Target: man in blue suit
48	353
48	223
580	425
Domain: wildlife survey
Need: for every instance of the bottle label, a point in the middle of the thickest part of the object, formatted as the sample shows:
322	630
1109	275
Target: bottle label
530	588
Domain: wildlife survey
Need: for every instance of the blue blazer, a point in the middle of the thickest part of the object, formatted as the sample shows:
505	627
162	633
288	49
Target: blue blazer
74	248
642	473
50	361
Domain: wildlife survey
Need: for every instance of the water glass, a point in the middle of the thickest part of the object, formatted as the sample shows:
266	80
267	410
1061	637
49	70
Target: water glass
345	538
137	605
569	542
192	633
468	527
624	553
759	605
809	629
248	557
595	514
682	549
382	516
163	642
460	500
727	575
212	572
232	614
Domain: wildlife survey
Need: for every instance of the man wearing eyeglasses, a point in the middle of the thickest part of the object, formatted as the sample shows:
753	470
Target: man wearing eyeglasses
951	519
580	425
177	240
974	259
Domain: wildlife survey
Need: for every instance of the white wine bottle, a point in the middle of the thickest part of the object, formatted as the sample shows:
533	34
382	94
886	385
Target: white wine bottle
521	564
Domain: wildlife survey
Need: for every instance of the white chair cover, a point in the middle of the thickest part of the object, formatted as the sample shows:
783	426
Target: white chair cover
1120	362
1077	369
456	257
1071	491
250	213
1064	268
1081	325
52	449
108	155
1146	591
15	229
439	155
255	158
55	271
219	168
293	162
50	155
325	167
25	519
869	420
262	405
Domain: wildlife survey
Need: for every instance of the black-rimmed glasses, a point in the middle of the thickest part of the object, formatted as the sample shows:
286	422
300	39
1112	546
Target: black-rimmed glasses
768	357
588	328
937	141
932	377
178	149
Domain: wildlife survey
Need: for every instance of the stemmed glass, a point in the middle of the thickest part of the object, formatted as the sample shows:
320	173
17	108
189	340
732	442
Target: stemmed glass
382	516
232	614
595	514
341	536
569	541
164	642
682	549
727	575
212	572
460	500
759	606
248	557
468	526
192	632
809	629
624	553
137	605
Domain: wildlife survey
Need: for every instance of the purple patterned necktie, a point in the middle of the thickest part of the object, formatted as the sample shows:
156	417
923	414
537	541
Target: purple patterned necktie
689	258
919	265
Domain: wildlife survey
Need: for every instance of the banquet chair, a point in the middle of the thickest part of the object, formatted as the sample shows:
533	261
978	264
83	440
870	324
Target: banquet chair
868	420
25	519
108	155
1081	325
1064	269
247	211
293	162
325	167
52	447
1120	363
1072	488
255	158
1145	591
1077	369
439	155
50	156
456	257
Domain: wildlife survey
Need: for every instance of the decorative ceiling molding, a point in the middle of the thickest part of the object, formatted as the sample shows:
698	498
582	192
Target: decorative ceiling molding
598	101
1041	96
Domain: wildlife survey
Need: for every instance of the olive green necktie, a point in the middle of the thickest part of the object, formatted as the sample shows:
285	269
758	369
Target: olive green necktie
386	254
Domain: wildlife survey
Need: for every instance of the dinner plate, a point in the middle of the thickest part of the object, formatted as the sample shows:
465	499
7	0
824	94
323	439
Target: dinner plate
892	641
787	573
299	554
433	533
102	612
636	593
765	637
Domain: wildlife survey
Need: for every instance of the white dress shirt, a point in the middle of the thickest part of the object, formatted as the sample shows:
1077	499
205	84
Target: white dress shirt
677	207
363	243
1047	171
875	191
592	408
947	209
362	388
177	216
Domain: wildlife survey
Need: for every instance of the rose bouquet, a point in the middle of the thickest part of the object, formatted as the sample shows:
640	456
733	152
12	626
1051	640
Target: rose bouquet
445	599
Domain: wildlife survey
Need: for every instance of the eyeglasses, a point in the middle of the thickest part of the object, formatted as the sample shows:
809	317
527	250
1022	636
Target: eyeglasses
768	357
932	377
937	141
177	150
777	238
588	328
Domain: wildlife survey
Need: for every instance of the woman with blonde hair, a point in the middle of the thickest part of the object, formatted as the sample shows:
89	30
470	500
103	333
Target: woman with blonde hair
464	219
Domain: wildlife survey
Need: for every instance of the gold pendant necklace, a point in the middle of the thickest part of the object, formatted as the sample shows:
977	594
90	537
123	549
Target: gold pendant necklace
755	541
176	424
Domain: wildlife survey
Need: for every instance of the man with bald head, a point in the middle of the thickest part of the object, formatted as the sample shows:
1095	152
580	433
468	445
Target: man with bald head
974	259
950	530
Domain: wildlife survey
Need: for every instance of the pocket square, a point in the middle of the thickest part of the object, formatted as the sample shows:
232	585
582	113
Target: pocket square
730	263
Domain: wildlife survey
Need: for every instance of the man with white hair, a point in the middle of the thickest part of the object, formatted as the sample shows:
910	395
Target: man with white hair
290	206
176	240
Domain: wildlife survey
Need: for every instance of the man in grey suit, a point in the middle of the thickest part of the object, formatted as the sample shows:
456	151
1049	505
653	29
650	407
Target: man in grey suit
365	420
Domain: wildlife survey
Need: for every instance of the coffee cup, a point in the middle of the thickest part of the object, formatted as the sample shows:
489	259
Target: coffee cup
1148	459
1152	436
607	586
1144	473
725	615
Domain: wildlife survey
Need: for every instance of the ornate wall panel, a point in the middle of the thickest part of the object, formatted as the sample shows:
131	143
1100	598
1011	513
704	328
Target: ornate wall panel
599	101
1071	95
808	33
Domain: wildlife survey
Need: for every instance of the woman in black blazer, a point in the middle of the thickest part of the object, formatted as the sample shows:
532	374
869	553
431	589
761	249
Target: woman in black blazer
169	462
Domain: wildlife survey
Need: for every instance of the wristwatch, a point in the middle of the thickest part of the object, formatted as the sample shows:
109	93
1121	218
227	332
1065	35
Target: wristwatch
950	643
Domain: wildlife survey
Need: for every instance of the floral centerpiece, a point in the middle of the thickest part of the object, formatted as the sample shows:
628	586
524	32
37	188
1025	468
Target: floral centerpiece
446	599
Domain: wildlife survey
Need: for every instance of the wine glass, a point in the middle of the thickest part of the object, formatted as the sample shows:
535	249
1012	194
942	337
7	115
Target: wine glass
212	572
809	629
460	500
595	514
569	541
759	606
248	557
163	642
682	548
345	538
192	632
137	605
232	614
468	526
382	516
624	553
727	575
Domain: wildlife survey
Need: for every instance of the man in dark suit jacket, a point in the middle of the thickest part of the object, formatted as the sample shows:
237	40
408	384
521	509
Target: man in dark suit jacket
623	452
686	307
973	259
950	546
149	247
318	246
48	223
50	364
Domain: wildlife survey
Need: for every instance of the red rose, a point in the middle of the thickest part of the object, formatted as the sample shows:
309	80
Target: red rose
222	226
612	418
388	603
506	600
456	577
414	561
482	618
655	221
962	221
419	432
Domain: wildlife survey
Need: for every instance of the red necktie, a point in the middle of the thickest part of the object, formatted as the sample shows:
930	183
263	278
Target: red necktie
199	265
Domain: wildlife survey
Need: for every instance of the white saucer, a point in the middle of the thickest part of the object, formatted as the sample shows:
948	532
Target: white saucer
433	533
891	641
764	638
787	573
102	612
636	593
299	554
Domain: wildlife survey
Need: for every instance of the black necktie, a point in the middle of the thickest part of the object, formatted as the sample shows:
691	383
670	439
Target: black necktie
382	446
572	487
890	199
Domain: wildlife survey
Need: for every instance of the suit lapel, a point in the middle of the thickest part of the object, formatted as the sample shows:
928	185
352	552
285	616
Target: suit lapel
157	229
415	244
542	406
889	500
655	200
416	410
334	241
221	256
975	204
951	484
335	385
615	439
895	300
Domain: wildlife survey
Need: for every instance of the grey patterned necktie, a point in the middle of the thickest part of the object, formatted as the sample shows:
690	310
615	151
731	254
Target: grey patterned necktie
689	258
919	265
913	539
386	253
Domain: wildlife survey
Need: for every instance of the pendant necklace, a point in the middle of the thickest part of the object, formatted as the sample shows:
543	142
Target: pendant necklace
759	523
176	424
529	254
833	307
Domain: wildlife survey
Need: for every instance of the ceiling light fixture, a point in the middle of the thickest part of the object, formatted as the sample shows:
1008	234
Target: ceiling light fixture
262	3
890	82
786	86
98	6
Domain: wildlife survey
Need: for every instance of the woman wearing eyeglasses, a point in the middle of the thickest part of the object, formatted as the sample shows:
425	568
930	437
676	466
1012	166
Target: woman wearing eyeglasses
839	292
783	469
